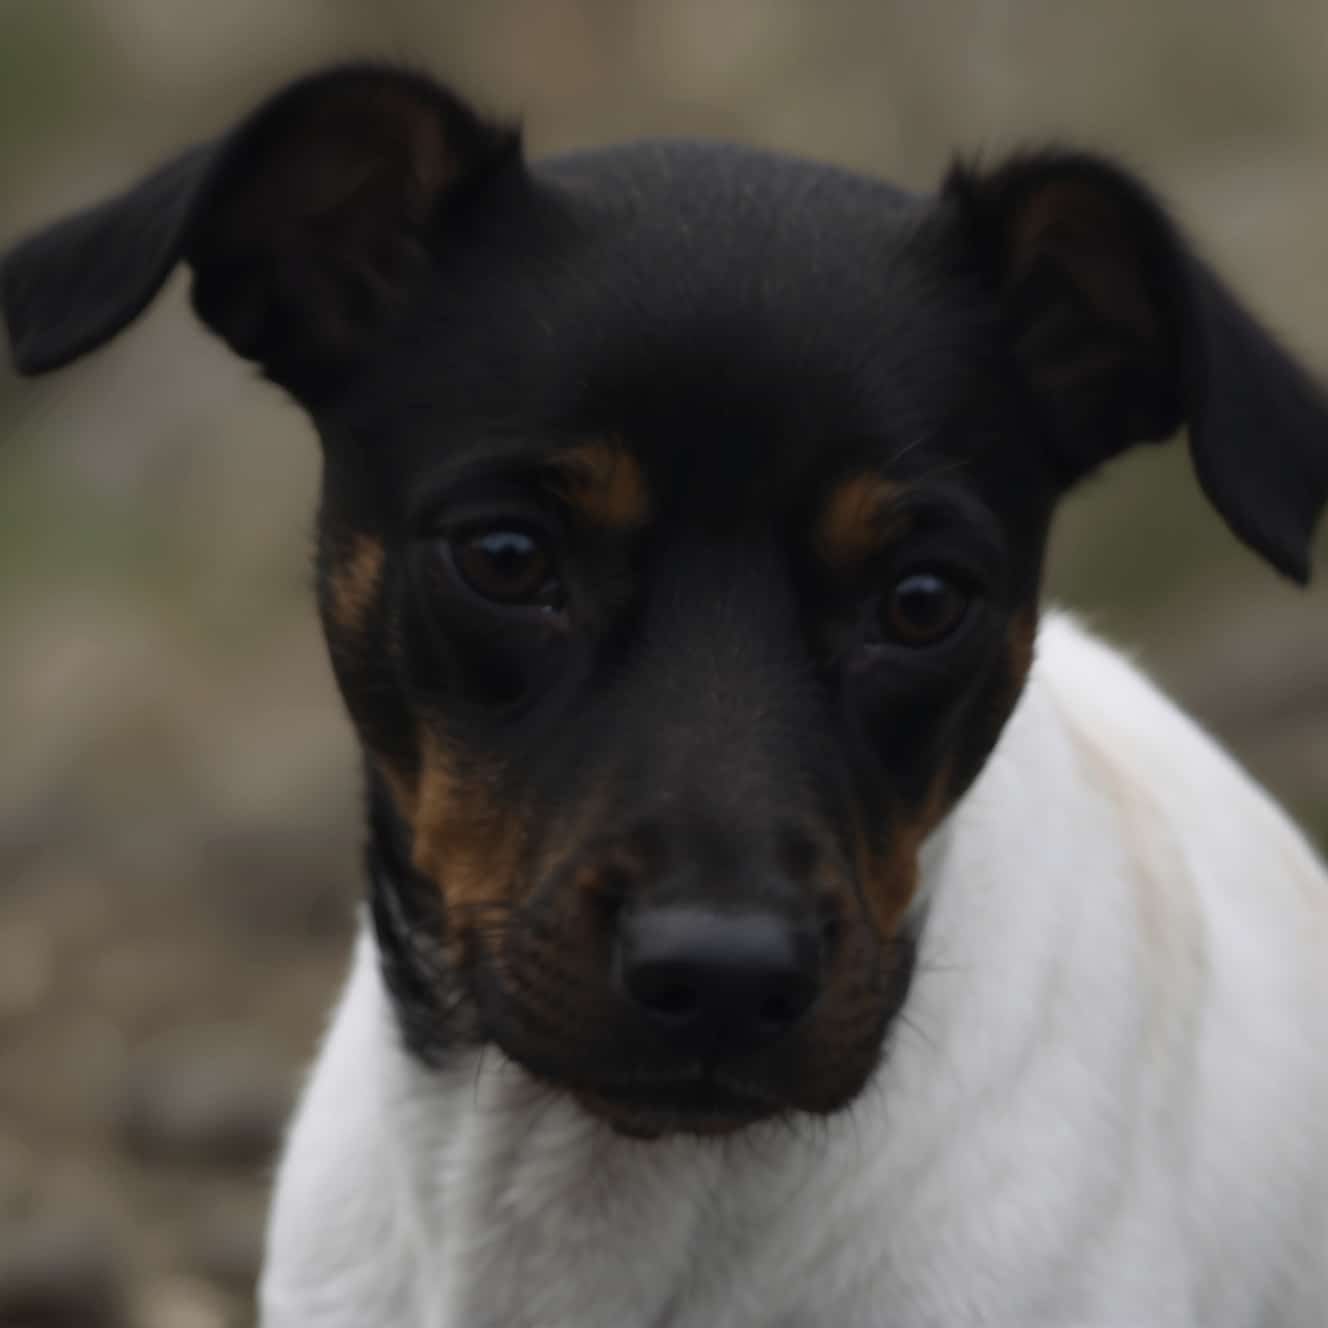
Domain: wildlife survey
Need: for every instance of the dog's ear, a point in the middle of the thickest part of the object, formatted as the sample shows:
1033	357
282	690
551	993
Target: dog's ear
1124	335
303	227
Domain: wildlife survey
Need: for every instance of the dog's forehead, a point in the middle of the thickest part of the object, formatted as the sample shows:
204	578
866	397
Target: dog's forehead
725	215
737	320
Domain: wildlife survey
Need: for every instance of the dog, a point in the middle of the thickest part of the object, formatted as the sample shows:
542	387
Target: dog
773	918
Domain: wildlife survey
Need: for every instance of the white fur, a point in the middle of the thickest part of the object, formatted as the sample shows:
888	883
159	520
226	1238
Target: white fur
1105	1106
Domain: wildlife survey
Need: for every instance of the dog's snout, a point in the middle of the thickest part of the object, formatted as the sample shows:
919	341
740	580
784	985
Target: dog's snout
718	983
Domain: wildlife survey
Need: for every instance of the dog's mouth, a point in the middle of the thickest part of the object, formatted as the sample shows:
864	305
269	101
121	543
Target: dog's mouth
639	1084
703	1104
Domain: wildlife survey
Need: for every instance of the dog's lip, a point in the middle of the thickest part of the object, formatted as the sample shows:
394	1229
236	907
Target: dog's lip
702	1087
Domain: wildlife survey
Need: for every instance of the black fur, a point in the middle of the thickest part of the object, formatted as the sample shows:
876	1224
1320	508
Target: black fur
1196	358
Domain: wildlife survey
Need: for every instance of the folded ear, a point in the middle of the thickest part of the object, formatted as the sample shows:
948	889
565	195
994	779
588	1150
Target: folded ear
303	227
1124	335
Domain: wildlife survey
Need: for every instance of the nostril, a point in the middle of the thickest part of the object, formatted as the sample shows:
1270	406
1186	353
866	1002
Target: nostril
780	1010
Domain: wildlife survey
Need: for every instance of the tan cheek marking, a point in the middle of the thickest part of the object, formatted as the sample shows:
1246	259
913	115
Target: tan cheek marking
891	879
403	787
1019	639
465	840
605	483
354	583
855	522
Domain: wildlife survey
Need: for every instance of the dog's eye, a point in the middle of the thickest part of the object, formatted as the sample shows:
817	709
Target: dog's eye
510	566
922	609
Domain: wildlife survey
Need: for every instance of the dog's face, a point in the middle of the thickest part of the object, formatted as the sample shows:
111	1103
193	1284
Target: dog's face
697	592
680	539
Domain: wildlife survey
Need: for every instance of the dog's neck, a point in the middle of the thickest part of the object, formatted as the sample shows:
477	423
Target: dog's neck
465	1193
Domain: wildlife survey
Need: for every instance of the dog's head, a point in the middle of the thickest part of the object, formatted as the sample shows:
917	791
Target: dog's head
680	538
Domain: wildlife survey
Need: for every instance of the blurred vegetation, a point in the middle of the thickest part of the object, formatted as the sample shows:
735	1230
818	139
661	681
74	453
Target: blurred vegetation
177	786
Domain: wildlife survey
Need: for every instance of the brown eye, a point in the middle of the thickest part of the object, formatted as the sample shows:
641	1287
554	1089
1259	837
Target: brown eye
507	566
922	608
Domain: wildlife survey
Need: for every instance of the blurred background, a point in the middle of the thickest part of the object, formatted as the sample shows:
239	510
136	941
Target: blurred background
179	827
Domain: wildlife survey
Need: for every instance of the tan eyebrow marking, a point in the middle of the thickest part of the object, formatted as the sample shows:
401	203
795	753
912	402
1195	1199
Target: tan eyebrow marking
856	520
604	482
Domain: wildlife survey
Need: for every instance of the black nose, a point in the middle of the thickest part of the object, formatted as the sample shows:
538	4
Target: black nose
716	983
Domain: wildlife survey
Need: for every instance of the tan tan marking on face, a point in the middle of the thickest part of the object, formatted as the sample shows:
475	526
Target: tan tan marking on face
1019	646
856	520
604	483
465	840
890	880
354	582
403	786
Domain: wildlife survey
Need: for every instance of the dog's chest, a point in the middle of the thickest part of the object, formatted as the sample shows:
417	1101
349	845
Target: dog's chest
469	1198
525	1213
541	1217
